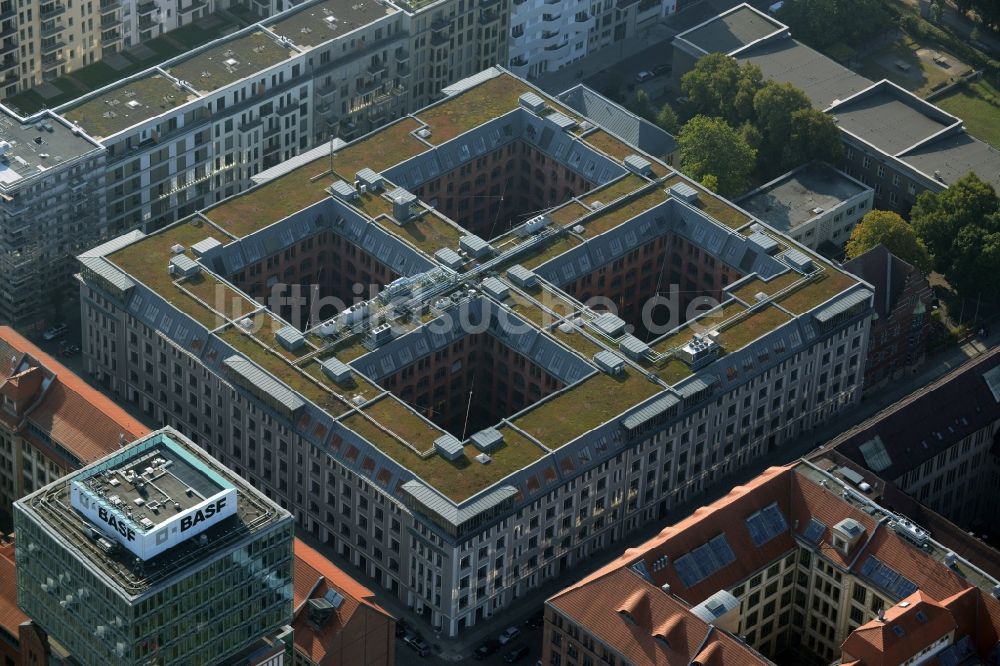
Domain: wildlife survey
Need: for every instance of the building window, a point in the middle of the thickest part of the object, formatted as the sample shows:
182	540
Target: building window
881	171
866	162
893	199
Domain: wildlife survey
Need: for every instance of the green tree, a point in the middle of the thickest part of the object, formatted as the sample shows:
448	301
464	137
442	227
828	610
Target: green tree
711	147
975	256
773	107
642	106
667	121
719	86
889	229
939	217
813	135
823	23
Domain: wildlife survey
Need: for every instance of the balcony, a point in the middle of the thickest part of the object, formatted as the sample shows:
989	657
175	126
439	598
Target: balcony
110	37
145	8
519	61
108	22
51	11
52	60
110	6
7	11
50	29
10	62
548	34
326	91
556	47
197	4
9	46
376	68
145	23
402	55
551	17
52	46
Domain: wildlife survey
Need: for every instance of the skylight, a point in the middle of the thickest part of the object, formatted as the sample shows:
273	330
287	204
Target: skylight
887	578
814	531
704	561
766	524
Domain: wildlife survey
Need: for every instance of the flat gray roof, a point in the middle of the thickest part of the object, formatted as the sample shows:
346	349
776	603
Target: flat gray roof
731	31
323	21
820	78
37	146
888	120
789	200
954	156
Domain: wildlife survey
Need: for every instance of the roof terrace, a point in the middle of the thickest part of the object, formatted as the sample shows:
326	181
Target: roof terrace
126	104
230	61
325	20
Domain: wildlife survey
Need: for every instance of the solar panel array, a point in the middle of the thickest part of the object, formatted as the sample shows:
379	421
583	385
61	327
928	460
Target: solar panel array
814	531
704	561
887	578
766	524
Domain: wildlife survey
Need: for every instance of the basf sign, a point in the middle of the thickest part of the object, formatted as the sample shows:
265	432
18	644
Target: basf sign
148	543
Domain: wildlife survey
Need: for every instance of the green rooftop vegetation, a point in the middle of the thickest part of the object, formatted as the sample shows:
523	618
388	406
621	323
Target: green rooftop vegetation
619	188
429	232
568	213
395	415
747	292
560	420
744	331
614	214
219	296
359	386
125	105
230	61
707	321
252	347
576	340
547	251
387	147
716	208
490	99
609	144
828	284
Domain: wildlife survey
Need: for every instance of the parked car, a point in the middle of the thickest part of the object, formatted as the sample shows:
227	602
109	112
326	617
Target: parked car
516	654
536	620
400	628
417	644
69	350
54	332
660	70
486	649
509	634
643	76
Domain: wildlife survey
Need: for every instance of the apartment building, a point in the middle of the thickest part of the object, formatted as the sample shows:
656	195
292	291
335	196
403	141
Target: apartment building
895	142
52	422
796	566
815	204
899	335
156	552
576	433
940	444
337	620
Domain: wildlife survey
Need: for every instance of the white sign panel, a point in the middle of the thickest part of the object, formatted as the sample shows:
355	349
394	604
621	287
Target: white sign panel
170	532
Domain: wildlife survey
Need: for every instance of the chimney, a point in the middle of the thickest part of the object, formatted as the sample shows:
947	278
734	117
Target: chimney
881	615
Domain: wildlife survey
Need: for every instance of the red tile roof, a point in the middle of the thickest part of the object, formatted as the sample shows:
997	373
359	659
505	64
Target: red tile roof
313	575
10	615
78	417
910	626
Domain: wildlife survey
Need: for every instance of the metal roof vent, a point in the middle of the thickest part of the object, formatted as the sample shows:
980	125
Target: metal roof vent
609	362
496	288
684	192
290	338
373	182
798	260
449	258
424	132
177	248
610	325
521	276
183	265
448	447
531	102
337	371
633	347
487	439
533	226
700	351
203	247
484	459
381	334
402	205
475	246
343	190
638	165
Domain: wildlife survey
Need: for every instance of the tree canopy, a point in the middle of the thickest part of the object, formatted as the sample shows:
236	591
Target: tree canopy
773	107
961	228
713	152
823	23
889	229
719	86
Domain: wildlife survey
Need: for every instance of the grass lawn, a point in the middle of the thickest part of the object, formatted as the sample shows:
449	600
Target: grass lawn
920	74
974	106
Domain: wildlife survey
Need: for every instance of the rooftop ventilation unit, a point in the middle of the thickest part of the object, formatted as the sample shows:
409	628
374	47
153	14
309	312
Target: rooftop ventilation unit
246	323
798	260
342	190
203	247
609	362
402	205
448	447
373	182
484	459
290	338
449	258
475	246
531	102
487	439
764	242
638	165
496	288
700	351
183	265
909	531
562	121
521	276
177	248
533	226
336	370
424	132
609	325
684	192
381	334
633	347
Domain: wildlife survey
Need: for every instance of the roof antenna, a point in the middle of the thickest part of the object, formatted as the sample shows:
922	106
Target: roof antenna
468	408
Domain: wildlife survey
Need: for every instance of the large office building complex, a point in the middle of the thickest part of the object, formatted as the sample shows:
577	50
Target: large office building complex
155	554
801	566
895	142
569	338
